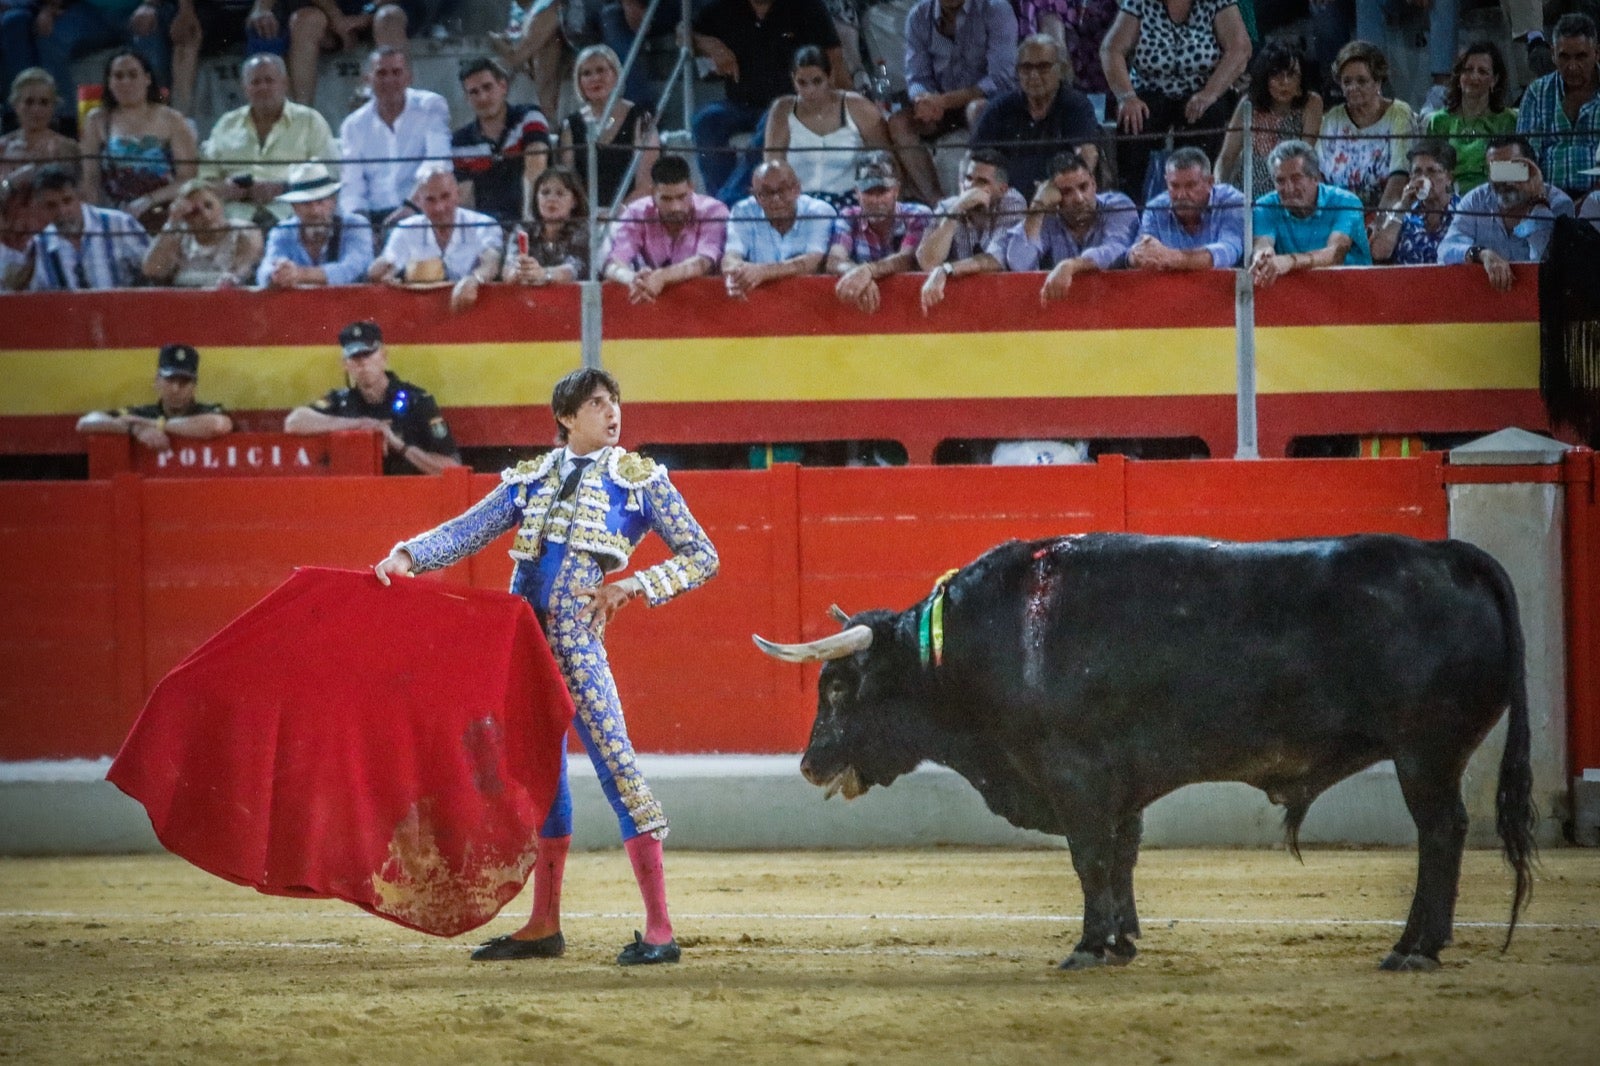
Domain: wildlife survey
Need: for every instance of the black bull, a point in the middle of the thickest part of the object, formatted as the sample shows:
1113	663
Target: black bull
1082	678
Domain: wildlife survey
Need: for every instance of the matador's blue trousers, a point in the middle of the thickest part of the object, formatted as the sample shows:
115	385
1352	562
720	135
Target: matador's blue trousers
551	585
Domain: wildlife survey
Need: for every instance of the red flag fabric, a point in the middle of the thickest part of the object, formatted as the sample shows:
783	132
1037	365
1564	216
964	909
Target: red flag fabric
394	747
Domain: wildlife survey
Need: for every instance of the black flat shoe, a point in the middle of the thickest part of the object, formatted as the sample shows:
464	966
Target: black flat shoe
640	953
509	947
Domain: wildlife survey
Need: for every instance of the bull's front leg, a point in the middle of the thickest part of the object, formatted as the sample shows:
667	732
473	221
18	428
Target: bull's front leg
1094	857
1129	831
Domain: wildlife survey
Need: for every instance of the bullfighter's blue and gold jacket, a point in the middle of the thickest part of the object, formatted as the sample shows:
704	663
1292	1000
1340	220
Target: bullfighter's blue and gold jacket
620	498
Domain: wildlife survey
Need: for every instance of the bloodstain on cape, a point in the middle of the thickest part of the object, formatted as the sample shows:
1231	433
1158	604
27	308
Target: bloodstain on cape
394	747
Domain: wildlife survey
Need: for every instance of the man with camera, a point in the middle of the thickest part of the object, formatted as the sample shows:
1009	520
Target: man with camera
251	148
1509	219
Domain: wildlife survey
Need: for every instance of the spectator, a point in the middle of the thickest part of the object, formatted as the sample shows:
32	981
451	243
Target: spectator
318	26
1197	224
1436	21
1305	223
1071	228
775	232
877	237
556	247
33	98
751	43
673	235
827	128
502	150
83	246
387	141
445	243
1179	81
1589	210
968	224
959	55
53	33
1284	107
1410	234
416	437
1510	218
320	245
1363	141
630	131
137	151
1078	26
211	25
200	247
1560	112
251	148
535	46
20	222
176	412
1039	119
1475	110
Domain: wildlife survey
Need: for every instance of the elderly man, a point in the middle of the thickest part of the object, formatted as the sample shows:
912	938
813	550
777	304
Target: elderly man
212	26
446	242
176	413
319	246
1560	112
387	141
416	437
1509	219
251	148
502	150
672	235
959	55
1072	228
1196	224
1040	118
82	247
969	225
775	232
750	44
1303	223
877	237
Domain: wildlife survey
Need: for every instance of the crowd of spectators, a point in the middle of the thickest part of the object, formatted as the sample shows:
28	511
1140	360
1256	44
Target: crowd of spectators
1139	166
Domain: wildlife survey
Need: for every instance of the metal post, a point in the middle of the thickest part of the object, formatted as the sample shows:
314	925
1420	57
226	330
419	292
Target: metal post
589	316
1244	307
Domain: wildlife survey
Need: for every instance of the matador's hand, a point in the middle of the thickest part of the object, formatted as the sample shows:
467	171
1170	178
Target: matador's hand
604	601
399	563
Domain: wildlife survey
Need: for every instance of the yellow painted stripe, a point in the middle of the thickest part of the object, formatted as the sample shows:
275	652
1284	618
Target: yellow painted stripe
928	366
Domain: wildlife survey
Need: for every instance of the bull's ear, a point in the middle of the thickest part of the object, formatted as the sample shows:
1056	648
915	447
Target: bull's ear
836	613
852	640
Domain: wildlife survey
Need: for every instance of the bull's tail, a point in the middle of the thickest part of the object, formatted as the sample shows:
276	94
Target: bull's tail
1515	815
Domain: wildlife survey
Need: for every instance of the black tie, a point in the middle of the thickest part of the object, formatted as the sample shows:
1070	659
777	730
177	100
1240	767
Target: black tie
570	485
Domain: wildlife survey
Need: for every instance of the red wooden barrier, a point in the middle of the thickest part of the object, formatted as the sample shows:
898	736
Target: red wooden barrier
111	584
1582	476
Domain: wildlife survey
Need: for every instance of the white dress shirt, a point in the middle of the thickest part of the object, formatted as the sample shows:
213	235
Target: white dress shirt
412	239
421	133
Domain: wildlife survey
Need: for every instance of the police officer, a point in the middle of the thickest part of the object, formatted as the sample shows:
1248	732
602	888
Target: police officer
175	413
416	437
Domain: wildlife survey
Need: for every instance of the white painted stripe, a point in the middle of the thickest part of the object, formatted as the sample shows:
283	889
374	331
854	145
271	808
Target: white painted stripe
738	916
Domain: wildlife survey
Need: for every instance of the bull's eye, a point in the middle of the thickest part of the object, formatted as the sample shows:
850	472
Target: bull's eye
837	690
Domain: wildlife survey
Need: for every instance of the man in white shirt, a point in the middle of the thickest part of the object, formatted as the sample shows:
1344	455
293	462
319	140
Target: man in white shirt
388	140
775	232
446	242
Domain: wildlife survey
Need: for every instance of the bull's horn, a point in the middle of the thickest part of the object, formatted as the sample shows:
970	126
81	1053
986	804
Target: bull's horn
836	613
837	646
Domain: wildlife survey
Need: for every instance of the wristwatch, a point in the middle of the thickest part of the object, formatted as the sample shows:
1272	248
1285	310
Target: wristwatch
1475	254
949	269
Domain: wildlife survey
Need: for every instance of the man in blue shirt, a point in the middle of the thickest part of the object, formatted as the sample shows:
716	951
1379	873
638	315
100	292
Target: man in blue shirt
776	232
1071	227
1303	223
1505	221
320	245
1195	225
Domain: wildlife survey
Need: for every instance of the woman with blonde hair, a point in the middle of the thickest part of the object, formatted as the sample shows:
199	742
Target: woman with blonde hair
34	98
630	130
1363	142
200	247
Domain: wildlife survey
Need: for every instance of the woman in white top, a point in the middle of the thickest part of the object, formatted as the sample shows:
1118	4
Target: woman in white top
821	131
200	247
1364	141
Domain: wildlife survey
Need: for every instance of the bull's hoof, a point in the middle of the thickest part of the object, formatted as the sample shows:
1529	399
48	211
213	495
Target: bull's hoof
1398	963
1085	960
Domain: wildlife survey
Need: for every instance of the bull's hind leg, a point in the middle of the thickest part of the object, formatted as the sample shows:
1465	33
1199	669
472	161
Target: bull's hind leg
1129	831
1433	795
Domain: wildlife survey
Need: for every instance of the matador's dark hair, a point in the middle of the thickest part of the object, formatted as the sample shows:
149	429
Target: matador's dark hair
576	387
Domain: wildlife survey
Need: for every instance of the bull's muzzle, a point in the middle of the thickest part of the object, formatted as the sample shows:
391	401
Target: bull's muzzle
836	646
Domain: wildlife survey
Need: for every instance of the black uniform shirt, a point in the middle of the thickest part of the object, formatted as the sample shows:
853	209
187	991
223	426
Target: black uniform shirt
410	411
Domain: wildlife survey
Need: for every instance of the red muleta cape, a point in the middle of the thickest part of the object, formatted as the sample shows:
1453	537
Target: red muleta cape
394	747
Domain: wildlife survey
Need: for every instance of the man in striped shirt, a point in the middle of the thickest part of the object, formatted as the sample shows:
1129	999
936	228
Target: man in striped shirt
83	247
1560	112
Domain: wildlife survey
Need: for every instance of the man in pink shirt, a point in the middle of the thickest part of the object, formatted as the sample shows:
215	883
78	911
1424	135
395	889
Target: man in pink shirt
673	236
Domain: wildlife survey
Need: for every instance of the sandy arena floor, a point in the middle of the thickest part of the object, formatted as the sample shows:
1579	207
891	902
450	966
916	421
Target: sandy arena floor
897	956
